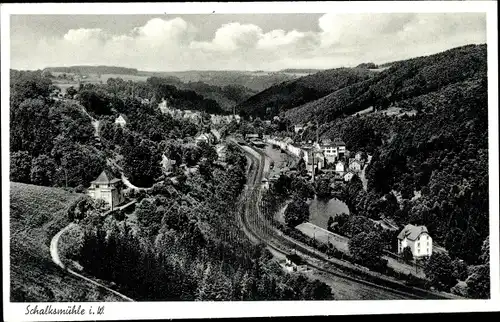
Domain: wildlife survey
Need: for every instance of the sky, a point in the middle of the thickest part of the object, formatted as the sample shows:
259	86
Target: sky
236	41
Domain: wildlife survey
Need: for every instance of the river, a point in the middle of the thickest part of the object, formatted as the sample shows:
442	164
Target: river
321	209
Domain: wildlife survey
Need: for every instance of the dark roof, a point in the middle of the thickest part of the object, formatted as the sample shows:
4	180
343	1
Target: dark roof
338	141
105	177
412	232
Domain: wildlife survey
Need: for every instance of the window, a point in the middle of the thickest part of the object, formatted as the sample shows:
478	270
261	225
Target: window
418	250
418	244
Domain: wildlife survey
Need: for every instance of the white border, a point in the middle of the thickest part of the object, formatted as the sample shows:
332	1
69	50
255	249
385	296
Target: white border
157	310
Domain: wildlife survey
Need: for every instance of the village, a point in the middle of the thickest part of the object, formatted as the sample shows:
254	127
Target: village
321	158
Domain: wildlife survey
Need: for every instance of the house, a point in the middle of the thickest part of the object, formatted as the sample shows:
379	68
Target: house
340	146
251	136
166	163
330	152
358	156
298	128
265	183
204	137
340	167
221	152
355	165
313	158
121	120
417	238
107	188
348	176
294	262
216	135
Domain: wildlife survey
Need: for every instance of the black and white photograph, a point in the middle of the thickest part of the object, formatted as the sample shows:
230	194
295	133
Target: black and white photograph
329	157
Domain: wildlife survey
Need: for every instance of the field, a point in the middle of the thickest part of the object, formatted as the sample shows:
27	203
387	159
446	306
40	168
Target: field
324	236
36	215
94	78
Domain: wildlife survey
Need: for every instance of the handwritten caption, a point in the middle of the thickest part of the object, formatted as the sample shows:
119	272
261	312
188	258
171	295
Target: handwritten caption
64	309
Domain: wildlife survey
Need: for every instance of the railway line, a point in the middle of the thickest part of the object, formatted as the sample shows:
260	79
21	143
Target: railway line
260	230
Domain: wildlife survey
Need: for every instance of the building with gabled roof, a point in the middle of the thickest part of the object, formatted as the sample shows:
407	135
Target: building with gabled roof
417	238
107	188
355	165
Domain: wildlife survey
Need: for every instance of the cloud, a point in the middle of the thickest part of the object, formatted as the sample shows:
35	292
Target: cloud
342	40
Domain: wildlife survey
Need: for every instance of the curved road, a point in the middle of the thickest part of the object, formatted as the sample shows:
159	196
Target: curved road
54	253
257	227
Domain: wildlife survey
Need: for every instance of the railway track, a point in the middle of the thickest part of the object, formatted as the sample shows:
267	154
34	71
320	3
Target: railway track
260	230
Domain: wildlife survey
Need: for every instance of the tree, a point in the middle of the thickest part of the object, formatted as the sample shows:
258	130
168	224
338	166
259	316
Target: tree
439	270
407	254
296	212
42	170
149	216
330	222
367	249
459	269
323	188
478	283
208	151
20	167
31	128
142	162
71	91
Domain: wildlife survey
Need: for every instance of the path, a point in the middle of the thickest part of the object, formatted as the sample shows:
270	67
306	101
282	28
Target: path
352	277
54	253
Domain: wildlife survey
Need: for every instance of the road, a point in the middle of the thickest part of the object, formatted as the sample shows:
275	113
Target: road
54	253
343	276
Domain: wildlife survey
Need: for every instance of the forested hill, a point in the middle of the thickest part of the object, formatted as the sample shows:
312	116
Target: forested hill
290	94
434	158
398	84
94	70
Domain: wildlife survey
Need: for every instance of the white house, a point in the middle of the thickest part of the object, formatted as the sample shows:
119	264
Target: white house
121	120
107	188
203	138
340	167
298	128
348	176
330	152
358	156
417	238
166	163
265	183
294	263
340	146
355	165
221	152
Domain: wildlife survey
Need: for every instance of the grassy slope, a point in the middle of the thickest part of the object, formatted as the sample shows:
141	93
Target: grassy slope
36	215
